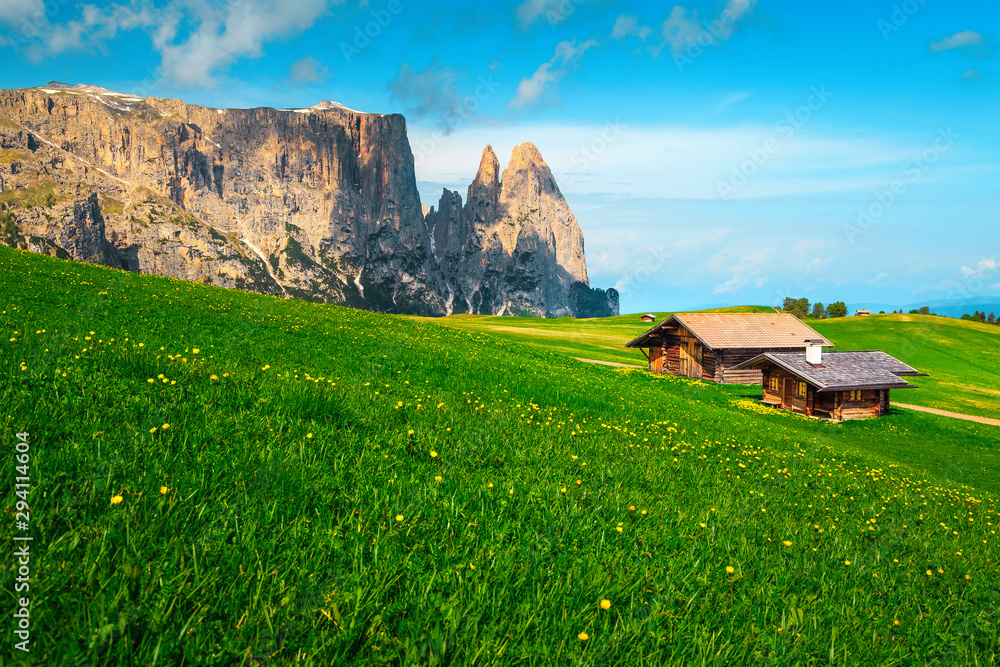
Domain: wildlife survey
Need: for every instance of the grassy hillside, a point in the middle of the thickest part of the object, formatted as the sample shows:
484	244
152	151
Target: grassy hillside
598	338
961	357
224	478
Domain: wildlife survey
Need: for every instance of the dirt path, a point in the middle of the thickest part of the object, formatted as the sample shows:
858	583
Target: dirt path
607	363
945	413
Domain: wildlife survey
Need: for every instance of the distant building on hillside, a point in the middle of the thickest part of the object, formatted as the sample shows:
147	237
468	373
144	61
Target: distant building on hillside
648	317
711	346
862	312
832	385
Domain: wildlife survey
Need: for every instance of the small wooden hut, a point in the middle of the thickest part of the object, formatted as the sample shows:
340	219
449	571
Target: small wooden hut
832	385
710	346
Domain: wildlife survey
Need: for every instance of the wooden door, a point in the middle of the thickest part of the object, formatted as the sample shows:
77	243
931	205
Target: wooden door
788	393
656	359
691	358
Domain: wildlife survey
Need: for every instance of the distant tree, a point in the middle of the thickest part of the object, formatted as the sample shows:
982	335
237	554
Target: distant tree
970	318
797	307
924	310
837	309
818	310
992	319
881	312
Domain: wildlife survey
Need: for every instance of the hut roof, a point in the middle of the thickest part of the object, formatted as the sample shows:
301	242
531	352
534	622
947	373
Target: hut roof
841	371
737	330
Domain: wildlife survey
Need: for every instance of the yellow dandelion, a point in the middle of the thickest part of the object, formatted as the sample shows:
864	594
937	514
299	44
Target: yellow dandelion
437	478
847	562
730	569
165	426
605	604
433	453
164	490
195	350
583	636
150	380
116	499
309	435
399	517
929	573
152	430
787	543
896	622
215	377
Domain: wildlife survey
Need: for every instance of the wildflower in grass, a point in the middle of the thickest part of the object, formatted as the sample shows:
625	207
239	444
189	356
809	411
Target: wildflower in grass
152	430
631	508
437	478
929	573
410	432
968	578
116	499
605	604
399	517
730	569
164	490
195	350
165	426
215	377
940	571
847	562
309	436
895	622
787	543
150	380
433	453
583	636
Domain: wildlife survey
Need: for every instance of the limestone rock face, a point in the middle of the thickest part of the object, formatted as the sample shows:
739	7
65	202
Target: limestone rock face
317	203
515	247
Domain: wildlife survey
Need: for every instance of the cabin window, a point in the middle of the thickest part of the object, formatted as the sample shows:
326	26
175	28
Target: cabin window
855	395
800	388
774	383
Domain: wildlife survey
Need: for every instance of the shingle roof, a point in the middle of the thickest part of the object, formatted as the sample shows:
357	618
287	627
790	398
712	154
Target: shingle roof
739	330
843	370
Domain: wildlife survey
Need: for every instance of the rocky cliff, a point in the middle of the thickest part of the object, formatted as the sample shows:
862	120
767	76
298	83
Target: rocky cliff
317	203
515	246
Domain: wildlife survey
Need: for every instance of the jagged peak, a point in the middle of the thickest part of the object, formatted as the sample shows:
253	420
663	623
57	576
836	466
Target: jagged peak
527	154
489	169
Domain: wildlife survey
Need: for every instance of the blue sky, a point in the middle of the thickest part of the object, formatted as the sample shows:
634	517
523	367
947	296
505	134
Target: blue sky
714	152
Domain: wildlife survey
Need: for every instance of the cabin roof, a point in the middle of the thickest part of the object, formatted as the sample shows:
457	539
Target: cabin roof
737	330
841	371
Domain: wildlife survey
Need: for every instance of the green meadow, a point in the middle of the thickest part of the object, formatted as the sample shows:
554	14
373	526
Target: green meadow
223	478
961	358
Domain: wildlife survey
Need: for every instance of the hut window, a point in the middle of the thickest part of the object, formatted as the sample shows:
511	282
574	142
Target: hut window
800	389
856	395
773	383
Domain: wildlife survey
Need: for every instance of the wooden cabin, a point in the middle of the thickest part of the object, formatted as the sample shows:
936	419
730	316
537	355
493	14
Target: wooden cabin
648	317
863	312
711	346
831	385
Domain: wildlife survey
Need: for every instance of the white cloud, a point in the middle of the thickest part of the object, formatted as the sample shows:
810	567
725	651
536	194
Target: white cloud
958	40
531	89
627	25
684	30
308	70
196	39
984	268
971	73
15	12
554	11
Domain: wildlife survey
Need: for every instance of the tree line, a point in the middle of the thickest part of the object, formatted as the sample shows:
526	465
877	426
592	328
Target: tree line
800	308
981	317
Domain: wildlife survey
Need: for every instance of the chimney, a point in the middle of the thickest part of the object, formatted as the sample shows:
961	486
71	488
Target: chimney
814	351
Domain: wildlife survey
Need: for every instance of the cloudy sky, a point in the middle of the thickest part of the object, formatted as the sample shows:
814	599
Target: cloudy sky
715	152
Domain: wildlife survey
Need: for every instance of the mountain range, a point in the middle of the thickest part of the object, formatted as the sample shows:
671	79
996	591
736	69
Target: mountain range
318	203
